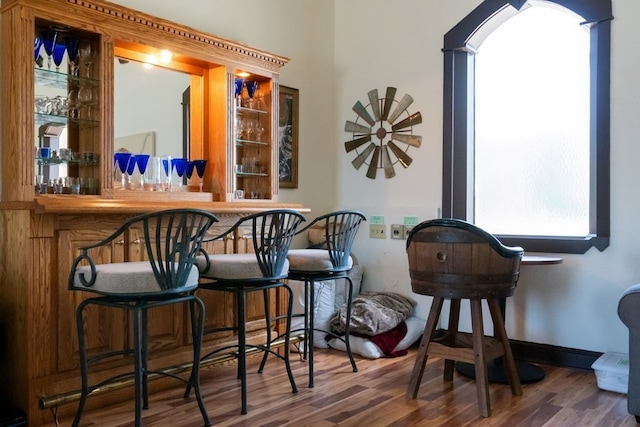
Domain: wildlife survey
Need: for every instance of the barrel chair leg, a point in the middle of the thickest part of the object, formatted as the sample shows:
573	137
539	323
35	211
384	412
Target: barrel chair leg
509	361
482	375
452	333
421	357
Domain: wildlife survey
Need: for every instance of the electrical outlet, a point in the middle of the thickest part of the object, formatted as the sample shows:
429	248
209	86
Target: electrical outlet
406	230
397	231
377	231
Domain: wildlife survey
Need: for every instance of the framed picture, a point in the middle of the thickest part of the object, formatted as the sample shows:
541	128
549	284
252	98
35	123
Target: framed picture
288	138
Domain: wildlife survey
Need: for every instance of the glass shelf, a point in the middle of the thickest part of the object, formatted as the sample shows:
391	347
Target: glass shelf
42	119
251	174
250	142
60	80
52	161
241	110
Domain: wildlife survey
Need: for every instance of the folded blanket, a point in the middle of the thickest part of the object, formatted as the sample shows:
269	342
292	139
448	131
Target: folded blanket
373	313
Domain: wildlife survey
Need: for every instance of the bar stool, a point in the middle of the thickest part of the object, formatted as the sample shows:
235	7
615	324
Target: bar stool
329	260
452	259
271	233
172	240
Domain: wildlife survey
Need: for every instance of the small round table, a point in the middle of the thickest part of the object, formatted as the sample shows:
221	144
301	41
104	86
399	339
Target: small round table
527	372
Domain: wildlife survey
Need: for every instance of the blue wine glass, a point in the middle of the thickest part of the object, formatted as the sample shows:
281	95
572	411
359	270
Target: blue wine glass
179	165
131	168
200	166
189	171
142	161
121	160
49	38
36	49
58	55
238	84
252	86
73	47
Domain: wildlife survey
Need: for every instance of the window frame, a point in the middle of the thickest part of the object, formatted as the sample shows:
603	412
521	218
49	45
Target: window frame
460	47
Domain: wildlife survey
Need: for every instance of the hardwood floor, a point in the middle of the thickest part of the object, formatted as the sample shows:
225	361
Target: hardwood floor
374	396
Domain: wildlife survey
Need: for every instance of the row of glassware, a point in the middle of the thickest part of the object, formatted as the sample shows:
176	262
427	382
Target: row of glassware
156	173
66	185
56	43
251	86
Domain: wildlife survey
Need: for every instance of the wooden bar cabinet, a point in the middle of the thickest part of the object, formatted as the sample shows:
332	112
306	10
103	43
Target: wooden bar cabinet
61	187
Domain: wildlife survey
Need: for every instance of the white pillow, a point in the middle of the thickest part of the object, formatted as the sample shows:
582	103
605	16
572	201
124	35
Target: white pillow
366	348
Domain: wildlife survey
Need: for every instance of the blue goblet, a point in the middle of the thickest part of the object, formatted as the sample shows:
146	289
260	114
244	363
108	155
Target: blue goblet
121	160
179	166
73	47
131	168
36	50
189	171
200	165
238	84
142	160
252	86
49	38
58	55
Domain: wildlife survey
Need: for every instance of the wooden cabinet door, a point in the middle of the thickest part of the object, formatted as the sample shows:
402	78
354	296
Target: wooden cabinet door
104	327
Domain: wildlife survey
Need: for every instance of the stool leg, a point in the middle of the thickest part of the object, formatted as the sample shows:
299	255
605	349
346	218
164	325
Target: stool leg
83	363
197	328
267	319
310	334
138	364
482	376
421	357
242	349
144	353
509	362
287	338
348	323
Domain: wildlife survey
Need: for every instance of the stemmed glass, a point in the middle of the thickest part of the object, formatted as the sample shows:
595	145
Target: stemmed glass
121	160
238	83
252	86
86	99
200	166
189	171
179	165
49	38
86	54
73	47
36	50
58	55
142	160
131	168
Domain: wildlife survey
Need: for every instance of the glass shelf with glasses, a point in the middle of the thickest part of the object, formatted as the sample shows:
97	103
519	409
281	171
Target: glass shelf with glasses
43	118
60	80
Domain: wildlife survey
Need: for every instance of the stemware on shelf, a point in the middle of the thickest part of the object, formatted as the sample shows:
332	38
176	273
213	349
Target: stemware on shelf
142	161
252	86
36	50
86	52
121	160
179	166
87	99
200	166
73	46
238	84
49	38
58	54
189	171
131	168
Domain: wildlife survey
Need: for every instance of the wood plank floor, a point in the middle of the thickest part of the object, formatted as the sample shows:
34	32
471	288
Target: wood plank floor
374	396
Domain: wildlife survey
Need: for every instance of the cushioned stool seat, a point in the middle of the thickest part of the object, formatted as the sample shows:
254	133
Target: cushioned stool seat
234	266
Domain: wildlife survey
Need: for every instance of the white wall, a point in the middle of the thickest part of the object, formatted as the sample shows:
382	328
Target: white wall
342	49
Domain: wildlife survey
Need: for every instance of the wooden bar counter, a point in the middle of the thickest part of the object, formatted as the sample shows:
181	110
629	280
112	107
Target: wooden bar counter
38	242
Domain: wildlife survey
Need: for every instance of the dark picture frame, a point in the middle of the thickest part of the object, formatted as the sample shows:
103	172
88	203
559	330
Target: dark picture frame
288	137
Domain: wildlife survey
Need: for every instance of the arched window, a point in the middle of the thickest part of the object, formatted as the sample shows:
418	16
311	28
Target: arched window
526	126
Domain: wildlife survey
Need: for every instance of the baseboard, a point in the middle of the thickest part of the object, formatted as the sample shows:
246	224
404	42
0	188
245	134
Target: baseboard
553	355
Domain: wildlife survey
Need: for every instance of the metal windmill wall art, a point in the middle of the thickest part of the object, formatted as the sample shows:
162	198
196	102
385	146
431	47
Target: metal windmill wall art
382	133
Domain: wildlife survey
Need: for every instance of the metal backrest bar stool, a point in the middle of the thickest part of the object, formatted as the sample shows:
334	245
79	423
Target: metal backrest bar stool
266	268
455	260
329	260
172	240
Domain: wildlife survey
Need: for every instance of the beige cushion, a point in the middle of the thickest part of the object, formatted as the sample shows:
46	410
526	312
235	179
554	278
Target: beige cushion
127	278
311	260
234	266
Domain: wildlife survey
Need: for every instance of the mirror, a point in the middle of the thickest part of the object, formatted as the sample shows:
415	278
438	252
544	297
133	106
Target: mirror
148	108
